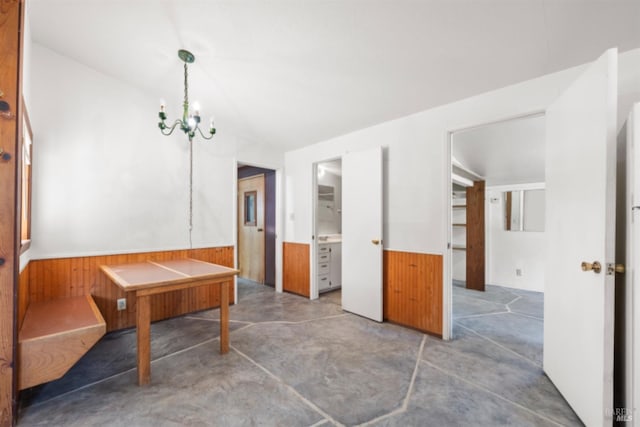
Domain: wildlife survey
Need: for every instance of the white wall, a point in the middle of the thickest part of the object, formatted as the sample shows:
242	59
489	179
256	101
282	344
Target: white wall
416	157
106	181
507	251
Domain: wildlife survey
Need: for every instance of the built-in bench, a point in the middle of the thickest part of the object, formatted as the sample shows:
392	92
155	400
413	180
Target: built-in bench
54	336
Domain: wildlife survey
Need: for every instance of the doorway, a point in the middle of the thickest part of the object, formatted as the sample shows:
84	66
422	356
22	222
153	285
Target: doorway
499	235
256	224
328	230
360	227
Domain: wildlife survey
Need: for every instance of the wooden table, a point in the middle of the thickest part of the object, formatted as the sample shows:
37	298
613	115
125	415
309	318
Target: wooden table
155	277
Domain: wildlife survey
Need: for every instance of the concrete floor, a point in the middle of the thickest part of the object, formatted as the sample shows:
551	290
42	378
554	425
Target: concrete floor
295	362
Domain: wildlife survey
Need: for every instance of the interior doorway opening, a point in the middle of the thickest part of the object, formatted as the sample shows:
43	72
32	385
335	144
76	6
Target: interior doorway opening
497	236
256	224
328	230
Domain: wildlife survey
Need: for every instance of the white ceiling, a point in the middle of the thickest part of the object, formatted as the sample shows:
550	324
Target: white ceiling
505	153
295	72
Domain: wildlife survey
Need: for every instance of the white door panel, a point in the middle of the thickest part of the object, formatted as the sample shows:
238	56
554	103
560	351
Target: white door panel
580	221
632	296
361	228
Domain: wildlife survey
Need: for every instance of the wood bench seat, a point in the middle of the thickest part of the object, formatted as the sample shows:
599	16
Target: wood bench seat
54	336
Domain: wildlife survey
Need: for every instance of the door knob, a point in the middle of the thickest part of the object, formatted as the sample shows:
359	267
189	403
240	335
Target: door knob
375	241
259	229
595	266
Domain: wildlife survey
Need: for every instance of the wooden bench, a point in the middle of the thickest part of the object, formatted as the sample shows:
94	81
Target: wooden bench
54	336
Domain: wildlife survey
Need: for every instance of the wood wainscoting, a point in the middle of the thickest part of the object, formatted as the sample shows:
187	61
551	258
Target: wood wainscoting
295	268
49	279
413	290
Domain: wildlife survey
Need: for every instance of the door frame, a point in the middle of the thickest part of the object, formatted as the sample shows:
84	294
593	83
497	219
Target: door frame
447	285
279	219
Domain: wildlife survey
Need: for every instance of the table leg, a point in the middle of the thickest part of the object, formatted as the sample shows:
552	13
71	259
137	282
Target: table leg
224	317
143	332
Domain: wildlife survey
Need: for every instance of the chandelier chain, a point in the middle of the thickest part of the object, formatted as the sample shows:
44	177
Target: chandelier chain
186	85
190	194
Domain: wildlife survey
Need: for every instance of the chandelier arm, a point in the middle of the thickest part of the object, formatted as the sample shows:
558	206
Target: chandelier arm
202	134
171	129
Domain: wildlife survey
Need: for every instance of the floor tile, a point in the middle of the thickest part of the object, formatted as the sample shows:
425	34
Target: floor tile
465	305
439	399
500	371
520	334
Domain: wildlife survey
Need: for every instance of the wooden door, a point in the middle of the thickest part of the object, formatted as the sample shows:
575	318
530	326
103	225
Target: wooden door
580	227
251	235
362	233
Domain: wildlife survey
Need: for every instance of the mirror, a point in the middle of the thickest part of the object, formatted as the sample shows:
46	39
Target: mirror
524	210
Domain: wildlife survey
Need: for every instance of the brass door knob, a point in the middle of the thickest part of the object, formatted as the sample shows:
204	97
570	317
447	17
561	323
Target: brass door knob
595	266
375	241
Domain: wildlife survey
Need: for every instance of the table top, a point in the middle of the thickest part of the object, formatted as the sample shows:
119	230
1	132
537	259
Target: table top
149	274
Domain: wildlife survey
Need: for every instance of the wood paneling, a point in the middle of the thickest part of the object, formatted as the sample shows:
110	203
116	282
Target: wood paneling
64	277
295	268
413	290
11	19
475	236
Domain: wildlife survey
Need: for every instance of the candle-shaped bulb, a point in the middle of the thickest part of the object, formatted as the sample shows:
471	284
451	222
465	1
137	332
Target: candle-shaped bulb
192	123
196	108
162	105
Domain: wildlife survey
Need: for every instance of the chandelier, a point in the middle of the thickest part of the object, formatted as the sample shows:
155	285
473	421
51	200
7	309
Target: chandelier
190	122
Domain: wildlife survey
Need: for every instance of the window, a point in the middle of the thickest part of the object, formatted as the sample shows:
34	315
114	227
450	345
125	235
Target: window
25	183
250	204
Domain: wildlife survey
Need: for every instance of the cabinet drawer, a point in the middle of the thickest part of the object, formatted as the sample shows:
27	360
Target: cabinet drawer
322	258
323	282
324	268
323	249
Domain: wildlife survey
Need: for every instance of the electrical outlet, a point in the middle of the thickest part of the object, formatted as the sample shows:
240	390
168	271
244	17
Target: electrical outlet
518	272
122	304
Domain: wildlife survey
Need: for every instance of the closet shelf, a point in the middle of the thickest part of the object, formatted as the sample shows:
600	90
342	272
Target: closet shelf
458	206
458	248
459	225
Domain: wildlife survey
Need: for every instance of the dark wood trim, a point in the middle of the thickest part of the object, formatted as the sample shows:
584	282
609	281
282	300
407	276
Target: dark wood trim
11	25
508	206
475	236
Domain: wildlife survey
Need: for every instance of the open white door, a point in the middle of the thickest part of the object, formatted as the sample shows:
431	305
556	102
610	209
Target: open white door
362	233
580	221
632	296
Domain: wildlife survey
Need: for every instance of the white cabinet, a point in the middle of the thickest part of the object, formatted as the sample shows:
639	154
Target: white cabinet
329	266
